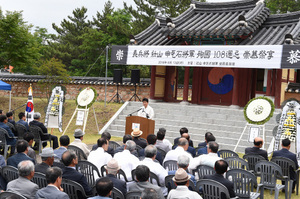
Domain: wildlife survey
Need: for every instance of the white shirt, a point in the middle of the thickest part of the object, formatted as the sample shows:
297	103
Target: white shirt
183	192
144	111
127	162
173	154
160	144
157	169
167	142
99	158
80	144
205	159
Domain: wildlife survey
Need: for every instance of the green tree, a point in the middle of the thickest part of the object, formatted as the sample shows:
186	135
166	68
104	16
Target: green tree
55	73
283	6
18	47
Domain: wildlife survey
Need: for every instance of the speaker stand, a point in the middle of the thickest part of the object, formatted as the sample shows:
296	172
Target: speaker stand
117	95
135	95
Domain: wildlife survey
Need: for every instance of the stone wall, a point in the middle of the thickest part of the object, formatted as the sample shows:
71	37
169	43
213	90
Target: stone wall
20	89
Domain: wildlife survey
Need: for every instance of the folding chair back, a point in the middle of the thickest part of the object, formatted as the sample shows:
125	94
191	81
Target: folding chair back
203	170
73	189
40	179
133	195
212	189
227	153
89	170
116	194
8	194
10	173
252	159
79	152
21	129
170	165
237	163
113	145
3	143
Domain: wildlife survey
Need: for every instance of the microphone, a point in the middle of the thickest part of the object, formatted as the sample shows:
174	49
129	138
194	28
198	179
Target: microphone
135	111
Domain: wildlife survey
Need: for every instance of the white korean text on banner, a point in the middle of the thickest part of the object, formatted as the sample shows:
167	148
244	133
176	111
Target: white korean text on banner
233	56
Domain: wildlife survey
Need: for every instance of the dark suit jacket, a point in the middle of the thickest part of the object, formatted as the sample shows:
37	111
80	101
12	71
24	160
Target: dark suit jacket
42	126
190	142
202	144
109	150
140	142
23	123
119	184
220	178
11	121
16	159
203	150
10	141
72	174
258	151
158	155
51	192
287	154
42	168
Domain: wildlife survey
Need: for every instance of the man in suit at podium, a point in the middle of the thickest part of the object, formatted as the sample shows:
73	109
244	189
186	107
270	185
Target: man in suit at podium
146	111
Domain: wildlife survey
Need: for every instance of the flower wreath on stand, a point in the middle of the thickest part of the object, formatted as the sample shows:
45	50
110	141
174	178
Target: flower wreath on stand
259	110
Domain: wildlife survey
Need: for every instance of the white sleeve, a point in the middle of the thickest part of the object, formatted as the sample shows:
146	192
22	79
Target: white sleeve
151	114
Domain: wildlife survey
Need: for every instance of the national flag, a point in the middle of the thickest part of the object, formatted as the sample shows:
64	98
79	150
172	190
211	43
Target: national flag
29	107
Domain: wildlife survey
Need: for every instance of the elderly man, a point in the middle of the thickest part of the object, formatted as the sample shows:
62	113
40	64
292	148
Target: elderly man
183	145
256	149
183	162
181	180
64	143
78	134
53	190
182	131
99	157
149	194
121	148
22	185
284	152
208	138
47	156
112	168
206	159
104	188
70	160
44	135
220	168
151	140
156	168
126	160
142	173
22	149
10	141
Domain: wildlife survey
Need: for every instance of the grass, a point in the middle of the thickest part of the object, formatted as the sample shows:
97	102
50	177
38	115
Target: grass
103	114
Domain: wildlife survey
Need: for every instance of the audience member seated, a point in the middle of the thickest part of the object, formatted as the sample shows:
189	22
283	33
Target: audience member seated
161	142
203	144
70	160
22	149
53	190
209	138
112	168
121	148
181	180
99	157
151	140
284	152
104	187
183	162
149	194
3	183
78	134
109	150
47	156
45	135
29	138
155	167
10	118
220	168
190	149
183	145
64	143
142	173
22	185
22	120
9	141
182	131
206	159
136	134
258	143
126	160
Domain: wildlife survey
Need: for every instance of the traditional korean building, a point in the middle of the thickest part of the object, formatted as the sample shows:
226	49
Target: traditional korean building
246	22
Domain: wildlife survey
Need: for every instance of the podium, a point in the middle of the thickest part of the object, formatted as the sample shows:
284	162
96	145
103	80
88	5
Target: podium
146	125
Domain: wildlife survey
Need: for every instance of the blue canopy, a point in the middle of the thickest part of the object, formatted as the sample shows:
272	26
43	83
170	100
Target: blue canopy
5	86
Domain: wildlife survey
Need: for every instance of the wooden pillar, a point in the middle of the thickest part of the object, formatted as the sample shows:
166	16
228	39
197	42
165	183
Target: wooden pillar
152	86
278	88
235	94
186	84
254	80
273	82
269	83
195	86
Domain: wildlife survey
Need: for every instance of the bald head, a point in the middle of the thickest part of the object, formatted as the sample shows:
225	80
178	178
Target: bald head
182	142
258	142
186	136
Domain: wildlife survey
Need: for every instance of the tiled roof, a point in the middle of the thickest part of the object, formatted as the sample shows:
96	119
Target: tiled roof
207	20
74	80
